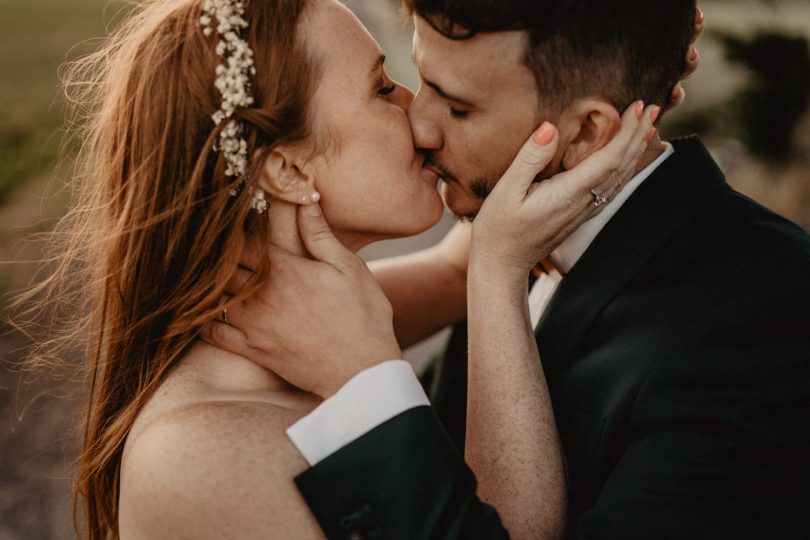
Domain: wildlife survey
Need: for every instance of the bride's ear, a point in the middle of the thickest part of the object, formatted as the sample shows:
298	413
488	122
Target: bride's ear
586	127
282	176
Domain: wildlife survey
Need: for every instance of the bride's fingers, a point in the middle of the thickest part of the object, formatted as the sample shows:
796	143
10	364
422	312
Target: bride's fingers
678	95
606	164
642	136
600	177
692	62
607	190
533	157
700	25
691	65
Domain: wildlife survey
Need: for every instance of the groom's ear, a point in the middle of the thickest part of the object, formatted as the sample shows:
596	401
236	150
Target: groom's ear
586	126
283	175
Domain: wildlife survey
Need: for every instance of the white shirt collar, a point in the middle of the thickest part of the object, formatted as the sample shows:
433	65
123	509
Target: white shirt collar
573	247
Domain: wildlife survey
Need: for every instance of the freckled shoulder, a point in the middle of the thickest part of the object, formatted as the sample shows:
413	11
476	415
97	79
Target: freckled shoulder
221	469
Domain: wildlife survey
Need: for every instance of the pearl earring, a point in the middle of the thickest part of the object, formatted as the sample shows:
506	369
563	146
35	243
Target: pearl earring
314	197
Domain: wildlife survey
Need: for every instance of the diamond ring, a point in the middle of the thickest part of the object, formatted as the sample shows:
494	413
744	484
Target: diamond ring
598	200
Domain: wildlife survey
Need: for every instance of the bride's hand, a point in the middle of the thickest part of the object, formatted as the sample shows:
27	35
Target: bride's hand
522	222
692	60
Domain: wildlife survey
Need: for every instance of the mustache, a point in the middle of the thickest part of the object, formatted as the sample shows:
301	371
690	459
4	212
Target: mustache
430	161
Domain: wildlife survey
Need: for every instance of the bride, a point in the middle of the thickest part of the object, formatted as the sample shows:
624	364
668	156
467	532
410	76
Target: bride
210	123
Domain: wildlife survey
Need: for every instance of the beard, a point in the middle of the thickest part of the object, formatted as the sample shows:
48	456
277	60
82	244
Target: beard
479	186
482	186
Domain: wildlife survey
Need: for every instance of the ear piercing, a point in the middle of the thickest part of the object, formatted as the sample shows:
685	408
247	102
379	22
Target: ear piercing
314	197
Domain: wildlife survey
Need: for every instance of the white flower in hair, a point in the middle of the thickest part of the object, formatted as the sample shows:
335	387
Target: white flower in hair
233	83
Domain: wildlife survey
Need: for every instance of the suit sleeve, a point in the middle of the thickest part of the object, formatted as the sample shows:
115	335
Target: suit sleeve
402	480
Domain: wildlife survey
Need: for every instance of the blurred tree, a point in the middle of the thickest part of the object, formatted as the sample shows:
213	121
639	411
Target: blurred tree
771	106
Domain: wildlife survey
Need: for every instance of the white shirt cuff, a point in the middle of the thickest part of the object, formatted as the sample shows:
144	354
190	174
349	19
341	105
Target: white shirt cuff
370	398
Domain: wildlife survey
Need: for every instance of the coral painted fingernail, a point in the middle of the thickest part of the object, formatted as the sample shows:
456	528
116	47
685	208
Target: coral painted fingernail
700	18
639	109
651	135
654	112
693	55
544	134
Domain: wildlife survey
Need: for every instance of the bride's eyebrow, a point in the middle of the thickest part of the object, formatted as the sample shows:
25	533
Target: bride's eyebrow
373	72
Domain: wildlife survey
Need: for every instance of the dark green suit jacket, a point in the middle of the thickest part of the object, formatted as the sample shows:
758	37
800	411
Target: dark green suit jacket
677	351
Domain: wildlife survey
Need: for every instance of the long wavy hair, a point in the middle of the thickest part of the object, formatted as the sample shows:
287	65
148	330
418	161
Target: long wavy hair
153	235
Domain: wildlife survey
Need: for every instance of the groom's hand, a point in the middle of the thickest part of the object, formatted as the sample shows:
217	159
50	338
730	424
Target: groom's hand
315	323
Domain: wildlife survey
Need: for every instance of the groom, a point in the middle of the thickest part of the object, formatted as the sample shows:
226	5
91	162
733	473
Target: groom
674	329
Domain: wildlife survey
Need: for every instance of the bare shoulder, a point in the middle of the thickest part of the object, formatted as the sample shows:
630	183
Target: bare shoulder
215	470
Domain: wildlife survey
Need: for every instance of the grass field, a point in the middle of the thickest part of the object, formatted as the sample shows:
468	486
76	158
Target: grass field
36	37
36	444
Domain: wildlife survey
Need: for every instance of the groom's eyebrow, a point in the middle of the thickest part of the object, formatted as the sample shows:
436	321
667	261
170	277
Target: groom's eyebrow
449	97
441	92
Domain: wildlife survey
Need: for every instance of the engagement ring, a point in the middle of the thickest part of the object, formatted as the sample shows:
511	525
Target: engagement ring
598	200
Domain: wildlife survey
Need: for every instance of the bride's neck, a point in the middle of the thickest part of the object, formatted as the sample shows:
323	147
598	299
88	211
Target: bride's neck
284	231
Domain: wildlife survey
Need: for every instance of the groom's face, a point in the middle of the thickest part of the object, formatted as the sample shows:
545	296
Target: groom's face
476	105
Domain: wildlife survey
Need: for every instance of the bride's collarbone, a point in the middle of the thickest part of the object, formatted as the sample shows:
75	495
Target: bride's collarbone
202	383
210	374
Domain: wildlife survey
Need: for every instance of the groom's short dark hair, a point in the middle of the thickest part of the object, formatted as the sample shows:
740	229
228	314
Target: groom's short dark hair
622	50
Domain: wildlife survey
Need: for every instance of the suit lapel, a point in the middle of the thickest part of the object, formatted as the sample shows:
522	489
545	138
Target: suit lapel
644	223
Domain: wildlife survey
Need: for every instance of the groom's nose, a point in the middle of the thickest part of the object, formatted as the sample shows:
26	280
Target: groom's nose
427	133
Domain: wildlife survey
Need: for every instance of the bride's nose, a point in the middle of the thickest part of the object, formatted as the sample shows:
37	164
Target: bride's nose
404	98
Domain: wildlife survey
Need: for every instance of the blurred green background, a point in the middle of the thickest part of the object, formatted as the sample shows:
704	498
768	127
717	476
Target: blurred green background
749	100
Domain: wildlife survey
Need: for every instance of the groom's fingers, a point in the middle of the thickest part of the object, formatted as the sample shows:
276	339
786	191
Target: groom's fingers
533	157
252	253
319	239
225	336
238	281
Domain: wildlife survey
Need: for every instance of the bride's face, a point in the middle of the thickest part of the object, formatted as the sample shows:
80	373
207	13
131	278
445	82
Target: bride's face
372	180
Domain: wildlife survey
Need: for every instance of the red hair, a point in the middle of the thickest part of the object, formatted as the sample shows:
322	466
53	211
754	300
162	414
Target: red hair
153	235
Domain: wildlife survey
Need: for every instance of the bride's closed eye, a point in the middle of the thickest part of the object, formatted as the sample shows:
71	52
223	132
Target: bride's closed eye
383	89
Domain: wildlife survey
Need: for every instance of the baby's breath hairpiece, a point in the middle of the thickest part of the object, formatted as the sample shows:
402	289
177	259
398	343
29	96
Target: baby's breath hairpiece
233	83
